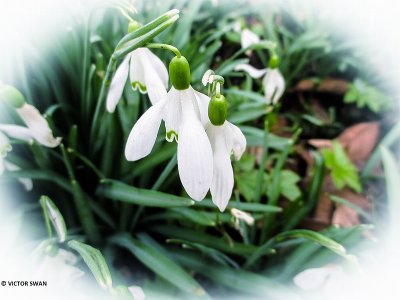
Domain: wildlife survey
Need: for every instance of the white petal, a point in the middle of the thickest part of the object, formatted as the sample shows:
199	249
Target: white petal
136	71
173	114
155	76
5	145
248	38
253	72
117	85
274	86
194	153
238	141
206	77
158	66
202	102
311	279
26	182
137	292
222	182
38	126
17	132
144	133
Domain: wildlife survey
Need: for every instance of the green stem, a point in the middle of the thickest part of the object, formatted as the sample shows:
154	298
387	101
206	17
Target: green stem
81	202
164	46
87	162
261	170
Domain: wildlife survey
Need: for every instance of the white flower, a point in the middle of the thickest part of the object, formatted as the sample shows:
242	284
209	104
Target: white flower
5	165
224	140
137	292
273	81
326	277
147	73
184	113
248	38
60	269
37	127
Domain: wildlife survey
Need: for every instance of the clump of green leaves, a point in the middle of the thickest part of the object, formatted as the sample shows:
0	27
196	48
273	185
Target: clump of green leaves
343	171
365	95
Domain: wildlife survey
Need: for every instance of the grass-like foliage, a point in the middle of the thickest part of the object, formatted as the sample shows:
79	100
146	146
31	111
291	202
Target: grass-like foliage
131	222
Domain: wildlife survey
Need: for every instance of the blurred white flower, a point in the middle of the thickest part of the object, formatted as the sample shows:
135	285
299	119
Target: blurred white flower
137	292
37	127
248	38
273	81
242	215
326	278
60	268
184	113
225	140
5	147
147	73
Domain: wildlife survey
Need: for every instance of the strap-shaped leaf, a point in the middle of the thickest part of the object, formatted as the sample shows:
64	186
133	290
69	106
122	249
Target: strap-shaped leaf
122	192
95	261
52	214
159	263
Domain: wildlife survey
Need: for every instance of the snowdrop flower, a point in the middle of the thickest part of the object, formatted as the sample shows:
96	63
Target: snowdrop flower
36	128
273	81
184	112
137	292
247	37
147	74
225	138
5	147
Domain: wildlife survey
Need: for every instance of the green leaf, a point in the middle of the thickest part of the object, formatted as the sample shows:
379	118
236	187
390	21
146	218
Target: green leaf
252	207
365	95
95	261
288	185
228	246
51	212
246	183
159	263
342	169
122	192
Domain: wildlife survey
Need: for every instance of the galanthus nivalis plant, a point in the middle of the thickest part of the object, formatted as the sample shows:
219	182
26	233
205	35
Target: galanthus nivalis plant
273	81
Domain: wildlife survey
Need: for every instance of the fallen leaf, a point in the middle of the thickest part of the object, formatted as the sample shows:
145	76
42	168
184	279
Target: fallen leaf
359	141
320	143
345	216
328	85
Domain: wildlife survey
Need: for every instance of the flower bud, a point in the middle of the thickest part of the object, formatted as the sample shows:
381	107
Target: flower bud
132	26
217	110
274	61
179	73
11	96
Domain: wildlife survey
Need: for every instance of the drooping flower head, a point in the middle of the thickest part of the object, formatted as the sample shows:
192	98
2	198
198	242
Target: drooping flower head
273	81
225	139
184	112
37	127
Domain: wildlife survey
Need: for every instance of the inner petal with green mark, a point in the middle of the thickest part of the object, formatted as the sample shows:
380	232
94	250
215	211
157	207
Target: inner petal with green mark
171	135
137	84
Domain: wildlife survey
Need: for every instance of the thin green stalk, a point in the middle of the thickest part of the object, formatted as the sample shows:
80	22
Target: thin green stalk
164	46
81	202
46	218
261	170
87	162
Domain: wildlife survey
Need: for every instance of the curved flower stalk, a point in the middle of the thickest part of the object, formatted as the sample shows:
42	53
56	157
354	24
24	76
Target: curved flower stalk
184	112
147	74
225	139
36	128
273	81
